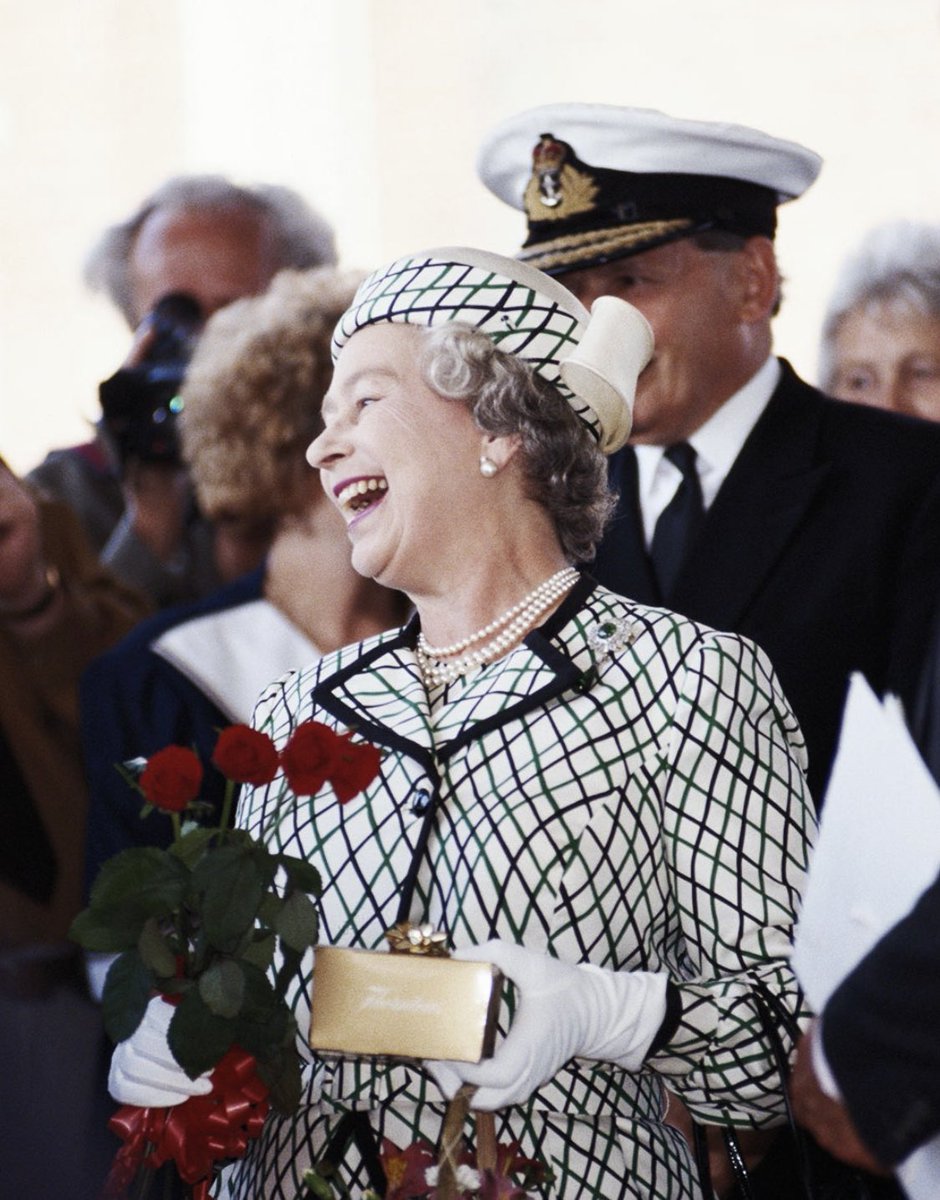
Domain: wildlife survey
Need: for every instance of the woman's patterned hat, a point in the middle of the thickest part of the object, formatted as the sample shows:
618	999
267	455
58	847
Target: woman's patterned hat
592	359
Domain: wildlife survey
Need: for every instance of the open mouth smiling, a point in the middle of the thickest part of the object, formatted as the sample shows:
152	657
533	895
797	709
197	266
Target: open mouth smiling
356	495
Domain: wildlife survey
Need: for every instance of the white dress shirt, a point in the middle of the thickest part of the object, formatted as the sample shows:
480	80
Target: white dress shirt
716	444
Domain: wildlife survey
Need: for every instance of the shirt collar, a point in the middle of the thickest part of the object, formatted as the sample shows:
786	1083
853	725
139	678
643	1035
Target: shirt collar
719	441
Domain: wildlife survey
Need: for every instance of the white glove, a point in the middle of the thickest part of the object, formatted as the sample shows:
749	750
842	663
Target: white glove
565	1011
143	1069
97	966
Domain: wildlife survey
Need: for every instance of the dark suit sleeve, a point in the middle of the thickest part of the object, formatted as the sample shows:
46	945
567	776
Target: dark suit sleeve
925	719
881	1035
917	581
133	703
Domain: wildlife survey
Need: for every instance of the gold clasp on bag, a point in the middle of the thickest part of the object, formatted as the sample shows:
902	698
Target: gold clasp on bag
406	938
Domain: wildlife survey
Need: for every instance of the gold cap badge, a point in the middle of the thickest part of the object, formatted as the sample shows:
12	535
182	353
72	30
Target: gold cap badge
557	188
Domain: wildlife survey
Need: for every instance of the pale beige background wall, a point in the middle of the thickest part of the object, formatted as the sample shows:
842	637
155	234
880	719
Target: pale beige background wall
374	108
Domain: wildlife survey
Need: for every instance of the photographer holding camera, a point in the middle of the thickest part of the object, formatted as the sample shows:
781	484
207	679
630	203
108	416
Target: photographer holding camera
196	244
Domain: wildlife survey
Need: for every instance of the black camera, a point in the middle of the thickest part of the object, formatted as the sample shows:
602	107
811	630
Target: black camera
140	405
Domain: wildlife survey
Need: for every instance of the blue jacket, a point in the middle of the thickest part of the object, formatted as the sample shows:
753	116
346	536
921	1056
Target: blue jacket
133	703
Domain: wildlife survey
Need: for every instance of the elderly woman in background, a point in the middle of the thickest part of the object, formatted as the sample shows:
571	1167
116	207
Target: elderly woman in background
609	797
881	334
251	405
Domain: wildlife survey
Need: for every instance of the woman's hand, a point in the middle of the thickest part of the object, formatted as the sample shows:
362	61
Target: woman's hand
143	1069
826	1117
565	1011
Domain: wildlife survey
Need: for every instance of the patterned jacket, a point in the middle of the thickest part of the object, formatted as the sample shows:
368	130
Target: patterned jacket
626	788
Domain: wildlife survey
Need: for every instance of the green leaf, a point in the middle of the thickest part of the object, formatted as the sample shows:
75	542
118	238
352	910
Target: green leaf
197	1037
264	1025
95	932
222	987
191	846
281	1073
154	951
239	837
262	1004
270	910
127	990
139	883
266	863
130	888
301	874
259	987
297	923
232	890
260	951
290	965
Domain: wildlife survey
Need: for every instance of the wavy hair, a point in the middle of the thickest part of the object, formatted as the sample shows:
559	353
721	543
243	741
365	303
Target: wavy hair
564	468
253	393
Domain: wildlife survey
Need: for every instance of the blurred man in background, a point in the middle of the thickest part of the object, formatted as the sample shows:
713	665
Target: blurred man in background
195	245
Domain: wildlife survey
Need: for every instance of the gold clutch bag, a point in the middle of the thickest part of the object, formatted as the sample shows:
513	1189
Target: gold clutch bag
410	1002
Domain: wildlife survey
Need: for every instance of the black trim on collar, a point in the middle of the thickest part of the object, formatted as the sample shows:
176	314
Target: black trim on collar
567	675
324	696
583	588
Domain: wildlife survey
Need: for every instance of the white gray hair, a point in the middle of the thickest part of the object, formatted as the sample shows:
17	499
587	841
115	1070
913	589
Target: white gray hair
895	263
565	469
302	238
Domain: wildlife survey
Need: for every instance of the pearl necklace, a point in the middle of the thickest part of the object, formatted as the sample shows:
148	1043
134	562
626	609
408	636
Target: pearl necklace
444	664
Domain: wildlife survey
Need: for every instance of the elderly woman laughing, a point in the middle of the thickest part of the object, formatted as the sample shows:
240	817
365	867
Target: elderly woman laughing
606	801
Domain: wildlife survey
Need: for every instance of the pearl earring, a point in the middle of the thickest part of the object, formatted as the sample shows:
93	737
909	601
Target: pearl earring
487	467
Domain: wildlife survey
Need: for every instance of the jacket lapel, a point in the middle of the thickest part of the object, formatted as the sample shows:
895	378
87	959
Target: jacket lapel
382	696
761	503
527	678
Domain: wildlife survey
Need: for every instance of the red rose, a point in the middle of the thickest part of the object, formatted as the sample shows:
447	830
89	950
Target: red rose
246	755
171	778
355	767
309	757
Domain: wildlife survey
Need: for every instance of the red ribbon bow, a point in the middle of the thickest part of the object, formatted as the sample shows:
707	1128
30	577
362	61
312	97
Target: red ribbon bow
194	1134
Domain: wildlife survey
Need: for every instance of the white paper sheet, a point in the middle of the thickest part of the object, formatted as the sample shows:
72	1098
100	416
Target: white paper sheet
878	849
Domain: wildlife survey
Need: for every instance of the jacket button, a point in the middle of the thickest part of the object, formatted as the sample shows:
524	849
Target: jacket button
421	802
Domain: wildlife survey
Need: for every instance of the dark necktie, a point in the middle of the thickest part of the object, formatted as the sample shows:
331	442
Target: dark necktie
679	521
